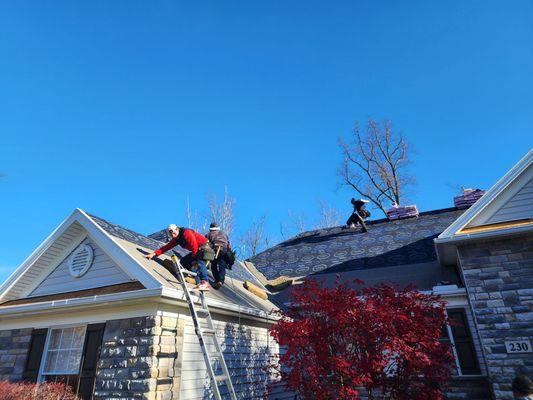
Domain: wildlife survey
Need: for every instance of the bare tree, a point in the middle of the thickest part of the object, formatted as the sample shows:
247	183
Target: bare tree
222	212
255	239
329	216
298	221
374	163
193	219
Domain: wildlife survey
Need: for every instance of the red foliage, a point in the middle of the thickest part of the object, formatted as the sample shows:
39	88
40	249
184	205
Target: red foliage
382	339
32	391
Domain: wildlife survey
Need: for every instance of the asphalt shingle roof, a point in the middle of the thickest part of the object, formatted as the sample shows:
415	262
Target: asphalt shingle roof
334	250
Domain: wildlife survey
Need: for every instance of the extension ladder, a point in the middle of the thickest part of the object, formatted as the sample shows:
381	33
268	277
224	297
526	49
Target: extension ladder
210	331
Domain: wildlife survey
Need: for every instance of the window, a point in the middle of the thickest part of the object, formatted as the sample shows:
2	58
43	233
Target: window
458	335
63	355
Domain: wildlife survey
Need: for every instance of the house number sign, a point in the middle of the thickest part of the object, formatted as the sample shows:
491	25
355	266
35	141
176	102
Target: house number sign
518	346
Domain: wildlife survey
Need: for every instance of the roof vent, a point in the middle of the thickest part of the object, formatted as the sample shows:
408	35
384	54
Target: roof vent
401	212
81	260
467	197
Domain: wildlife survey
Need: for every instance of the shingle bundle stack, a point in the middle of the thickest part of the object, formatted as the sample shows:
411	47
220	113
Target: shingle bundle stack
401	212
467	197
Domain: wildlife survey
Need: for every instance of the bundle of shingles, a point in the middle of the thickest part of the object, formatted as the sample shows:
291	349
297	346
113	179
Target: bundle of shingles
401	212
467	197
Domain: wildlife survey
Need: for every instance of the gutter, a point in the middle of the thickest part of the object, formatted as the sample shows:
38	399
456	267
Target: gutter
83	301
169	293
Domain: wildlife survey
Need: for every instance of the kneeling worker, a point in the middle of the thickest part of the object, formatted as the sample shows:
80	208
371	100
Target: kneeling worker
359	214
220	243
195	243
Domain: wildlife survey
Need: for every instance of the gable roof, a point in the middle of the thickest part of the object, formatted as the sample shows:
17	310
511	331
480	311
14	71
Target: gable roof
127	248
505	209
398	243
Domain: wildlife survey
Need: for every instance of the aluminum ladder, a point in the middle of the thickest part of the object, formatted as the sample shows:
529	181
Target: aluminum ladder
210	331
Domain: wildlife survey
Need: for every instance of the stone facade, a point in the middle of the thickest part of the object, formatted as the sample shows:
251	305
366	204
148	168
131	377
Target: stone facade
14	345
468	388
140	358
499	278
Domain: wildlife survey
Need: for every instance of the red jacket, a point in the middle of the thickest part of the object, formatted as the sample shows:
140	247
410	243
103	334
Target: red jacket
187	239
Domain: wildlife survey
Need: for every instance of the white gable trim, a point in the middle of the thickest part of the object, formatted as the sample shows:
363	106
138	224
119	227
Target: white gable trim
489	197
115	251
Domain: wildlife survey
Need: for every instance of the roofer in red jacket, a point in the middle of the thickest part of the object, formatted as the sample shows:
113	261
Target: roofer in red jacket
195	243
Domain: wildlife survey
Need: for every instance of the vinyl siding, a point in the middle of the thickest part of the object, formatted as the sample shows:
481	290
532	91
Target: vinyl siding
52	255
103	272
520	206
246	350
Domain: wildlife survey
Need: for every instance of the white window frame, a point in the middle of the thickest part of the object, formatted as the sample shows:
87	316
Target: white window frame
41	376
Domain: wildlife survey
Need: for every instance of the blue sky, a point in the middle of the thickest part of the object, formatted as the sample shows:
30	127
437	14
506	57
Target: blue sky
124	108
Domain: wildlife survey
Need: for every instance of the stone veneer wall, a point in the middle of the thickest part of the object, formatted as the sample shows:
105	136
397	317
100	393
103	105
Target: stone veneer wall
14	345
140	358
499	279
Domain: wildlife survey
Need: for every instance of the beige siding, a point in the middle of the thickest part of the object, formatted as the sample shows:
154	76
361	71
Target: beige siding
103	272
246	350
53	255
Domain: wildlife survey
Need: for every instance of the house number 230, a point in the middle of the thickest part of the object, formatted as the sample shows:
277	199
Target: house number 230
518	346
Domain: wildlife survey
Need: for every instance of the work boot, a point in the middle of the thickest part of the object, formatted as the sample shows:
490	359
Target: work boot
217	285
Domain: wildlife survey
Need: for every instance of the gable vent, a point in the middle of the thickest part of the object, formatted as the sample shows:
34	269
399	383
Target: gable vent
81	260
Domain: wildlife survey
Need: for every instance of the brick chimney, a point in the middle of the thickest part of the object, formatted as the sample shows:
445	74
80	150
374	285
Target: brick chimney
467	197
402	212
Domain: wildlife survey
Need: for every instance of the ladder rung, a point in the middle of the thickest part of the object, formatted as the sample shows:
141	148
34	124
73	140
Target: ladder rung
209	331
221	378
187	272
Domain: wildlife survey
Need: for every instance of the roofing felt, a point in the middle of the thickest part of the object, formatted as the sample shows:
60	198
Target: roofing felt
155	241
334	250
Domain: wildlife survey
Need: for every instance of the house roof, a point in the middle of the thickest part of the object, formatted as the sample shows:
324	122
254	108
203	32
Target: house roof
128	249
504	210
338	250
155	240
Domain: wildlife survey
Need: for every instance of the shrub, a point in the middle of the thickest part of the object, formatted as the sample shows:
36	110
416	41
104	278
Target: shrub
33	391
382	339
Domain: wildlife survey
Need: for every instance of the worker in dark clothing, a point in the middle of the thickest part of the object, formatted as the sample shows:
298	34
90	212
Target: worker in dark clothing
220	243
359	214
195	243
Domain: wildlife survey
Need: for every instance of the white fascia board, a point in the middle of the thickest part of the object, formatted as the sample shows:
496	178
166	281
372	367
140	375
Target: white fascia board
491	194
13	278
77	302
114	250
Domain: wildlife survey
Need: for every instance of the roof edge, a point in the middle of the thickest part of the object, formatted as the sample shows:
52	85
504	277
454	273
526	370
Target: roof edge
488	198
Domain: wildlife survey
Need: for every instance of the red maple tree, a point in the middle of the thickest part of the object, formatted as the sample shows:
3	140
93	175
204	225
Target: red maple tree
383	339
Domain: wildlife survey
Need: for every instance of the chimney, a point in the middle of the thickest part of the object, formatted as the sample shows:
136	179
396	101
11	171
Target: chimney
402	212
467	197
